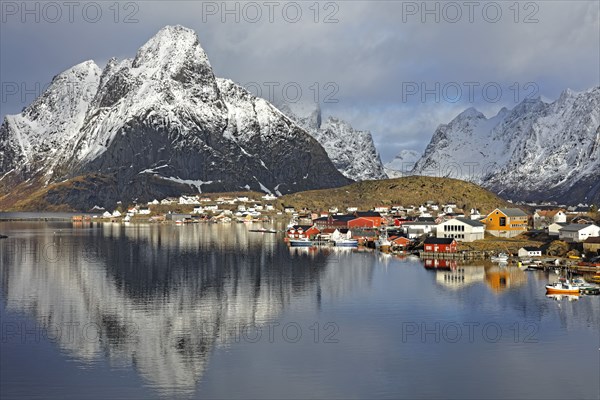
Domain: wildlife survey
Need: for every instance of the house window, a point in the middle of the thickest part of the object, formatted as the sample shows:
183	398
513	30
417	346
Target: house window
502	221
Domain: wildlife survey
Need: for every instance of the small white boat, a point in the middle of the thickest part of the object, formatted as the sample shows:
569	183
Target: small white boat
501	257
346	243
300	243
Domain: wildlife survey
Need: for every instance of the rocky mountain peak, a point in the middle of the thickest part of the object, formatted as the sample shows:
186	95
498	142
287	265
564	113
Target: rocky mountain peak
155	126
536	151
352	151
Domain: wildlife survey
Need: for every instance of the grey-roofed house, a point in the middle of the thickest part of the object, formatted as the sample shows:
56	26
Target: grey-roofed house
554	227
461	229
578	232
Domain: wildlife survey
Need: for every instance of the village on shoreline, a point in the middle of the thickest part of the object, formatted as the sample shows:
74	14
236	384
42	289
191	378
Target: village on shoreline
439	231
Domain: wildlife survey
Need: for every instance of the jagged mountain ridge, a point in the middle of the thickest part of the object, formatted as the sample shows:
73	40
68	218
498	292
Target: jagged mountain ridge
536	151
352	151
158	125
402	164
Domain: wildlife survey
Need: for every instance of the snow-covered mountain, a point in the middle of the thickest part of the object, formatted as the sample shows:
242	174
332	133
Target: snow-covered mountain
402	164
536	151
158	125
353	152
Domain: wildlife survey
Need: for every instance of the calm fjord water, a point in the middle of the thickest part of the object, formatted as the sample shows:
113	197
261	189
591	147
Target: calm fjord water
215	311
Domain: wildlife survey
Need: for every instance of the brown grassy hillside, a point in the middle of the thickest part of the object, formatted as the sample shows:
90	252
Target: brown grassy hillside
412	190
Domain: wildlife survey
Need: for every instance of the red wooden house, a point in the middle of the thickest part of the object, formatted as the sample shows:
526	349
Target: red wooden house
366	219
400	241
440	245
302	232
333	222
363	223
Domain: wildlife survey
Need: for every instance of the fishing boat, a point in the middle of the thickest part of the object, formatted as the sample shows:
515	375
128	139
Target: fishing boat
501	257
300	243
585	287
383	243
346	243
563	286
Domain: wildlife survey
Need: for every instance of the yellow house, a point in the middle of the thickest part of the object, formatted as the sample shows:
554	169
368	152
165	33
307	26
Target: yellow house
506	222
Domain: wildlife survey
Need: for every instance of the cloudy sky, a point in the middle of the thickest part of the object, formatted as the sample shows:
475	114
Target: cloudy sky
396	68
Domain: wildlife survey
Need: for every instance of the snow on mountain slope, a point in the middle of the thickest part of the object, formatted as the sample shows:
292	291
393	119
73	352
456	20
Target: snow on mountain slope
42	133
159	125
353	152
402	164
535	151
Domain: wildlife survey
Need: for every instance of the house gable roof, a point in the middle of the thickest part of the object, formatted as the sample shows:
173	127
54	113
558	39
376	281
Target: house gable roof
467	221
575	227
512	212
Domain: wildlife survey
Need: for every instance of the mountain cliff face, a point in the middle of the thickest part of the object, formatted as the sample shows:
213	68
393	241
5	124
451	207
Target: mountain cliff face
353	152
536	151
157	125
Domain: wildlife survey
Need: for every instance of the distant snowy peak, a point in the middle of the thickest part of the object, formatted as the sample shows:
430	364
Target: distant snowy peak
352	151
537	150
402	164
307	116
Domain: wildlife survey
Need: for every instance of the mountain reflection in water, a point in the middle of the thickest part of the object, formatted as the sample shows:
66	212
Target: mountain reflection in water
161	297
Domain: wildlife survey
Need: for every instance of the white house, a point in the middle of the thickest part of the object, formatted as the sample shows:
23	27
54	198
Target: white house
269	207
475	214
198	210
578	232
381	209
542	218
415	229
461	229
116	213
351	209
554	227
530	252
341	234
144	211
106	214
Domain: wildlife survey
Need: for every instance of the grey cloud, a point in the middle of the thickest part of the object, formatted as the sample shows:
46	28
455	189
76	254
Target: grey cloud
371	54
